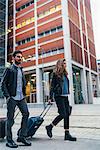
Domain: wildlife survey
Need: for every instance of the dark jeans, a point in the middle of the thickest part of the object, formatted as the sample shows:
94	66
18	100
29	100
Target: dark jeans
10	116
63	110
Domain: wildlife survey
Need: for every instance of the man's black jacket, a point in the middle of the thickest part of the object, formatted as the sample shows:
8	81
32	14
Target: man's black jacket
9	82
56	86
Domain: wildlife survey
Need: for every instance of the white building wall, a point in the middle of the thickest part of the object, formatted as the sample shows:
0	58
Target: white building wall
67	48
83	71
6	31
90	89
14	24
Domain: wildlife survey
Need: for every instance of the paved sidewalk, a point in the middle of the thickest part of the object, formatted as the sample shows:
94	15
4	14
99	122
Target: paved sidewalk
84	124
40	142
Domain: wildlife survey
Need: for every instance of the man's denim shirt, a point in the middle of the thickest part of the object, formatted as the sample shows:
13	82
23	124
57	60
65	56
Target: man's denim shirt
19	93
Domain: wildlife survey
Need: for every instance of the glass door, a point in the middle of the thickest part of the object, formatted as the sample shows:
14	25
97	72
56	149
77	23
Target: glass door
78	97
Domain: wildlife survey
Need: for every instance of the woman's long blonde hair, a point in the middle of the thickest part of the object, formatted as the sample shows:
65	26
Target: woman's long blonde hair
60	70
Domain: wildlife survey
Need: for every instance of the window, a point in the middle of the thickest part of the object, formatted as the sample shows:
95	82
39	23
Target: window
18	26
32	2
27	4
23	41
19	43
23	7
46	12
23	23
40	15
18	9
32	19
75	2
53	30
61	50
58	7
47	32
75	33
54	51
28	39
52	10
28	21
33	37
59	27
41	34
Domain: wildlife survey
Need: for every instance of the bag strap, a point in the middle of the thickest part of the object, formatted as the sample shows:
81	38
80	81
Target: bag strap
44	112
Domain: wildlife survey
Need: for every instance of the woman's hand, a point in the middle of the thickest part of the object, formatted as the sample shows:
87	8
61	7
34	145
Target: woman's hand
50	102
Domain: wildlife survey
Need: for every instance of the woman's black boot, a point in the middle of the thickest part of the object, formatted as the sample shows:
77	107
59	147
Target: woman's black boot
49	130
69	137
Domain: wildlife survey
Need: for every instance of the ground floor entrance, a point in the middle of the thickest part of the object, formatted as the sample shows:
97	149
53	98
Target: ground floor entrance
45	80
81	89
31	93
77	86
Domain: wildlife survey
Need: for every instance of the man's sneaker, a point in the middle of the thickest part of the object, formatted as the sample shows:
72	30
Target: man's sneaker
11	144
24	141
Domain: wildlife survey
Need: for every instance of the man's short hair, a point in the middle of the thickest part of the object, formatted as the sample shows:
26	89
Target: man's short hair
16	52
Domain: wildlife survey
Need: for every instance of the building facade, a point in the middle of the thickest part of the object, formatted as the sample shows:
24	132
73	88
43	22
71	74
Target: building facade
3	38
48	30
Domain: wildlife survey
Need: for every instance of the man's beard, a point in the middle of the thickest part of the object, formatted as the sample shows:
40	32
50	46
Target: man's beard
17	62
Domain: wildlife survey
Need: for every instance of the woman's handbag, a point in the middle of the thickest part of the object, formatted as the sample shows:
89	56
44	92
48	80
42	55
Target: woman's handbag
70	110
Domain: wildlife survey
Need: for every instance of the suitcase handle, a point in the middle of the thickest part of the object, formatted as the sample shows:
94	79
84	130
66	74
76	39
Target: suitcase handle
17	113
44	112
46	109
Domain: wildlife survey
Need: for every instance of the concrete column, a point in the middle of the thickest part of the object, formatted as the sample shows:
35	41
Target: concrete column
90	93
89	74
39	88
6	31
14	24
98	81
83	72
84	85
38	71
67	47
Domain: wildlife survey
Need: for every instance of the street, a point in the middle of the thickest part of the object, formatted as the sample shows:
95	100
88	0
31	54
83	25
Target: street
84	124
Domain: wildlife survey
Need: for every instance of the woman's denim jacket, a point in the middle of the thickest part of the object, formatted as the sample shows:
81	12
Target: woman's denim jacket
56	86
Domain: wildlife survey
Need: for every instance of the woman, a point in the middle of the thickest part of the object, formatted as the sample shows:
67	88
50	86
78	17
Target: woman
60	90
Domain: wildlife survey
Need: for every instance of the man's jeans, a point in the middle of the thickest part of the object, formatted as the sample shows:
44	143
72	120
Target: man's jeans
10	116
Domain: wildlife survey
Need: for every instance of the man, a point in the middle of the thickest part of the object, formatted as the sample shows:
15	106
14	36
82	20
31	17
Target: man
13	87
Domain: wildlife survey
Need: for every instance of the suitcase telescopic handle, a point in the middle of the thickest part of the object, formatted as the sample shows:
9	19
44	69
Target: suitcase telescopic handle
46	109
17	113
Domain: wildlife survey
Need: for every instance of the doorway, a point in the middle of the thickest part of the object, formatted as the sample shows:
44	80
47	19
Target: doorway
77	86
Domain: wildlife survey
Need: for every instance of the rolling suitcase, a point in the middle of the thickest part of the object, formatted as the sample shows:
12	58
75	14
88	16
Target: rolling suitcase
2	127
3	122
35	122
